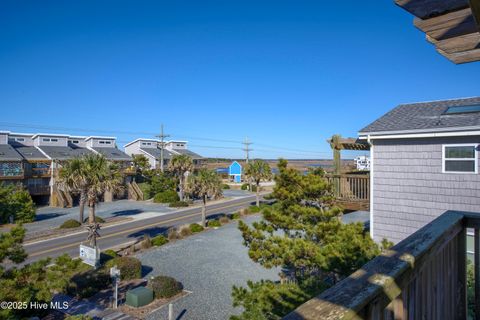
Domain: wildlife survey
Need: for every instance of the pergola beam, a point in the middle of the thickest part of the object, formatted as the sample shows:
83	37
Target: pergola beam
475	6
425	9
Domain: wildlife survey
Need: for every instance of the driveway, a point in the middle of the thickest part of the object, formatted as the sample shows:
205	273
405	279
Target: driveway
208	264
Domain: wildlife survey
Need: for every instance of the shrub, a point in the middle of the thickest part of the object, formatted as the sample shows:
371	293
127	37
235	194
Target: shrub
146	242
108	255
97	219
254	209
185	232
195	227
165	287
86	284
254	188
172	234
225	186
159	240
214	223
71	223
244	211
130	267
16	202
178	204
168	196
146	189
224	220
234	216
244	186
162	182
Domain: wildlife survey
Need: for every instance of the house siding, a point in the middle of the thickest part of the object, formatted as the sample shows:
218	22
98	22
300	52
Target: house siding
409	188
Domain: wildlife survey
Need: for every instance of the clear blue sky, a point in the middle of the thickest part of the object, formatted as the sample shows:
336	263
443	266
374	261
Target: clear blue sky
287	74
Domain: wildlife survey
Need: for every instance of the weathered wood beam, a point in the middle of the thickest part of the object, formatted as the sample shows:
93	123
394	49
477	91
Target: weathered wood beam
449	25
425	9
475	6
462	57
467	42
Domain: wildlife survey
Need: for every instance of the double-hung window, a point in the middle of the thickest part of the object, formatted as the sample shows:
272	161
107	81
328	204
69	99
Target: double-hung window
460	158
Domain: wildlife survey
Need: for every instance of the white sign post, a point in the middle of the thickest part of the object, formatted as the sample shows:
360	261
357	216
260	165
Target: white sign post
90	255
115	274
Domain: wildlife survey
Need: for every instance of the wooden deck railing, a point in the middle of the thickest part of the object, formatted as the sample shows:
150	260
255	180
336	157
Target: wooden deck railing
351	187
422	277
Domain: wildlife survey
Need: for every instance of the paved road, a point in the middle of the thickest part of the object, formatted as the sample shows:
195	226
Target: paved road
122	233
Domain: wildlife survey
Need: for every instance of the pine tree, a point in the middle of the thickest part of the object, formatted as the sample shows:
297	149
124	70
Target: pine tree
302	233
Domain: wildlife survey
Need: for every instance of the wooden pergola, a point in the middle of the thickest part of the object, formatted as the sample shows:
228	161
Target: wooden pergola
338	144
452	26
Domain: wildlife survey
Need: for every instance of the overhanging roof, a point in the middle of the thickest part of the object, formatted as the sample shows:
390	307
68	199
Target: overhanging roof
452	26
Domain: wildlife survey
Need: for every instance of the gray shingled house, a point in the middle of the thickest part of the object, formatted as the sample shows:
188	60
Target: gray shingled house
424	161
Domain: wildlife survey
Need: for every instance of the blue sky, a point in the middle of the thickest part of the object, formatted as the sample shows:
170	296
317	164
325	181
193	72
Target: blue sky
287	74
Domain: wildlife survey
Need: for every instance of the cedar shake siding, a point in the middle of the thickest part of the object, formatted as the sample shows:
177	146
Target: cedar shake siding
409	188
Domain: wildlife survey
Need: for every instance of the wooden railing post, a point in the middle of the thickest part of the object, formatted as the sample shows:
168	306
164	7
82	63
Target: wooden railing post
462	275
477	272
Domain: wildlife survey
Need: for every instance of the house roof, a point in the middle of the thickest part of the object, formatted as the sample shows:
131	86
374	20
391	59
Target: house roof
64	153
8	153
189	153
140	139
426	117
99	137
113	154
30	153
50	135
155	152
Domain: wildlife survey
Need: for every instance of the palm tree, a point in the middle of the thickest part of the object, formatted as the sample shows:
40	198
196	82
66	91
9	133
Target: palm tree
181	166
91	175
204	184
72	178
258	171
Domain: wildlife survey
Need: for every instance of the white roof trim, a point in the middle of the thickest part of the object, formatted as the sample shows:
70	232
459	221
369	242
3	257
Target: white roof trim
43	152
140	139
430	130
421	135
100	137
50	135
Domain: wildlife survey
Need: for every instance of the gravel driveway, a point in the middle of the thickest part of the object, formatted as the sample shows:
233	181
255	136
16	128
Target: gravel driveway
208	264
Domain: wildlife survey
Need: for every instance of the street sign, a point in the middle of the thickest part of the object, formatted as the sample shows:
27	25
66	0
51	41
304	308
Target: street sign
89	255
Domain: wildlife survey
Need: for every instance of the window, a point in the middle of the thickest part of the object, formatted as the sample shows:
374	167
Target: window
463	109
46	139
460	158
54	140
19	139
101	142
108	142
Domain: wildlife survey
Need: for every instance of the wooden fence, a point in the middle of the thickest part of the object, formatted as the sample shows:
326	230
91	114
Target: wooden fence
353	189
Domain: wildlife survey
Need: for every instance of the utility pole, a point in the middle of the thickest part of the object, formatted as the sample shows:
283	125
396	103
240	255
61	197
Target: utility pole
247	149
162	136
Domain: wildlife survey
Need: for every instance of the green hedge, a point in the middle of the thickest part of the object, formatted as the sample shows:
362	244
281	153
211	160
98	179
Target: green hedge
165	287
168	196
159	241
97	219
195	227
254	209
86	284
130	267
71	223
108	255
234	216
146	189
214	223
178	204
225	186
244	186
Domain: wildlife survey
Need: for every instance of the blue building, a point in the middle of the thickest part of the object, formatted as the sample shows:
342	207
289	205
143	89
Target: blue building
235	172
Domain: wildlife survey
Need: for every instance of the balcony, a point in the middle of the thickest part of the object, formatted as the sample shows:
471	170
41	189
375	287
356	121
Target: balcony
422	277
41	172
37	190
351	190
11	172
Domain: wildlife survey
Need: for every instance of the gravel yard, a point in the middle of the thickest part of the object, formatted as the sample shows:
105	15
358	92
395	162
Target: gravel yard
208	264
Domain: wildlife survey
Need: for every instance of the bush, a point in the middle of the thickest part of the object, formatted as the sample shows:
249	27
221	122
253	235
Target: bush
162	182
71	223
159	240
244	186
214	223
225	186
168	196
224	220
254	209
172	234
234	216
97	219
130	267
108	255
86	284
16	202
185	232
146	189
244	211
178	204
165	287
195	227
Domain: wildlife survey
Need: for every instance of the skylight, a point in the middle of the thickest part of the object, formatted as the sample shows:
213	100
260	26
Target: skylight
463	109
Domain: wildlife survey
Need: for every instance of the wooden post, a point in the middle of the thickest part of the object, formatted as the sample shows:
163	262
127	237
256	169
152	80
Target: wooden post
462	275
477	272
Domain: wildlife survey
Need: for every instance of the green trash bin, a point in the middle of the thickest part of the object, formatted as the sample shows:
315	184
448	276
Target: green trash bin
139	297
